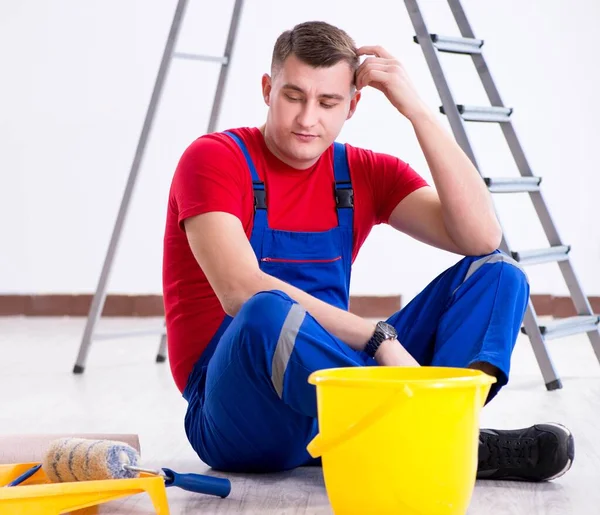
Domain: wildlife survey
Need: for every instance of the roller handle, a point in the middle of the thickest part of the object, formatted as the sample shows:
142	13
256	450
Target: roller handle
26	475
198	483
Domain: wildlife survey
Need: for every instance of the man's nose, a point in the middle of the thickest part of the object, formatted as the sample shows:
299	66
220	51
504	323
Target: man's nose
308	115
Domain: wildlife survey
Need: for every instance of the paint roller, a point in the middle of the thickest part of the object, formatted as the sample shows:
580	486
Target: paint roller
82	459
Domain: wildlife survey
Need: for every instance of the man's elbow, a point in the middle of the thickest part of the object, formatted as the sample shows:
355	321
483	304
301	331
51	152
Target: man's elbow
490	241
237	292
231	303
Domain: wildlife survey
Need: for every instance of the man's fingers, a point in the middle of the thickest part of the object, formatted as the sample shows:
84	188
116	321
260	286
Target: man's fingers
363	71
373	60
376	63
373	77
376	50
375	72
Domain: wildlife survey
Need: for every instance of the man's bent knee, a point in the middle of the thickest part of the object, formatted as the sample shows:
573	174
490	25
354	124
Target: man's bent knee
267	325
498	258
265	311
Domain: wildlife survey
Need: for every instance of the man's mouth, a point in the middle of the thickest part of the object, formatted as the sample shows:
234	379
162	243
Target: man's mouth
304	137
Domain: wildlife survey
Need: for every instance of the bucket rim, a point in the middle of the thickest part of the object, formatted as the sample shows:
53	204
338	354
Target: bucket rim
471	378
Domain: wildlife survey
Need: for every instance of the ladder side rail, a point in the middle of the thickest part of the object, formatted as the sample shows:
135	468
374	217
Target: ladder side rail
222	80
100	295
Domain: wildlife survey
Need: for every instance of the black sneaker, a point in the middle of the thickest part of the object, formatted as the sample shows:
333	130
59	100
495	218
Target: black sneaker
538	453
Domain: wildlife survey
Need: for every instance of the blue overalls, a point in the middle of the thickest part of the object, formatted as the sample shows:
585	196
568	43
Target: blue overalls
250	406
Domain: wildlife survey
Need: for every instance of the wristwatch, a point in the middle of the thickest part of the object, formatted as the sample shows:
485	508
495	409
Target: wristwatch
383	331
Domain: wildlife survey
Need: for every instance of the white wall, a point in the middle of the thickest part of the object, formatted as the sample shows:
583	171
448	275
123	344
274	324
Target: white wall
76	78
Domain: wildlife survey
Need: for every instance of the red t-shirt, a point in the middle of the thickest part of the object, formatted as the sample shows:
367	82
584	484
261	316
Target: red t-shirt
212	175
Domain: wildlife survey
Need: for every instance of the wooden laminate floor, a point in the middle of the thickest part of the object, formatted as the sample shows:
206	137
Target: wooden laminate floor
123	391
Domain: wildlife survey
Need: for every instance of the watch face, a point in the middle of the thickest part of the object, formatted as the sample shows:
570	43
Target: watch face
388	329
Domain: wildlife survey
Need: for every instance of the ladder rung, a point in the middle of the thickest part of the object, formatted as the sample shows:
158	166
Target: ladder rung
535	257
483	113
455	45
568	326
200	57
513	185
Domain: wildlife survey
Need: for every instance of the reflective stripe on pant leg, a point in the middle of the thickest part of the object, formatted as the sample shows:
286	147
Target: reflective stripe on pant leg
498	257
285	346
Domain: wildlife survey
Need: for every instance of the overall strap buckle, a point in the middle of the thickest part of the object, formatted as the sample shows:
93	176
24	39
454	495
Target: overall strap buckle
260	197
344	195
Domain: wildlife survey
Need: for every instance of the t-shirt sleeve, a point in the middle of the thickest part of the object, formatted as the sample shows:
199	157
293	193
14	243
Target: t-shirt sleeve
209	177
391	181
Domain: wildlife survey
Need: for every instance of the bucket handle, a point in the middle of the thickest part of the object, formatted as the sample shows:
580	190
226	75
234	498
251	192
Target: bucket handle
319	445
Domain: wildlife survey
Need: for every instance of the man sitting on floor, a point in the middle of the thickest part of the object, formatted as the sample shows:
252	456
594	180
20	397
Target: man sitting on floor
262	229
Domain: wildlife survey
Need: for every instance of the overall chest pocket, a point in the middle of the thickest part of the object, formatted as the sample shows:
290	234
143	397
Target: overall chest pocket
317	263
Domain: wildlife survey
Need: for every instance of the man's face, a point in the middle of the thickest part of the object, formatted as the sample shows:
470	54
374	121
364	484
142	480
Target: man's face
307	109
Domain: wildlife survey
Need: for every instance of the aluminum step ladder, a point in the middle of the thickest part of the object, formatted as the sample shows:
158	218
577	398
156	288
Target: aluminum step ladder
168	55
457	114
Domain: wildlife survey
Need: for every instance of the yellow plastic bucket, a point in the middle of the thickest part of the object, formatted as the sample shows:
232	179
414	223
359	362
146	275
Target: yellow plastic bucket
399	440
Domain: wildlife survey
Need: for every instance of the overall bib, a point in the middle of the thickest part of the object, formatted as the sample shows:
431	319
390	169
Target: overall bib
250	406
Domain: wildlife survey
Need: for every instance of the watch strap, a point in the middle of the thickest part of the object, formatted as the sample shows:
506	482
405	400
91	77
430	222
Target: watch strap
374	343
383	331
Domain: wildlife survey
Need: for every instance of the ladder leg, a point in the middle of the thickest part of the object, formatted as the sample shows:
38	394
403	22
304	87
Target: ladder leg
161	355
540	351
594	337
538	344
100	295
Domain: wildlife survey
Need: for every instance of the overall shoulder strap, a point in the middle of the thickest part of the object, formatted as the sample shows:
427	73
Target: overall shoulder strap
260	203
344	194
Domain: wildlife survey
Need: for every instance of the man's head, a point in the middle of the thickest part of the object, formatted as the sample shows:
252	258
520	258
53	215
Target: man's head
310	92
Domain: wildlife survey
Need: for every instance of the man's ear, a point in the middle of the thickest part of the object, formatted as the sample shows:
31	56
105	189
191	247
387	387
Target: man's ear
353	103
266	88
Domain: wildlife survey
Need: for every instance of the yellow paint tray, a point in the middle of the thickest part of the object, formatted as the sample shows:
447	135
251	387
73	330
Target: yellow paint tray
39	496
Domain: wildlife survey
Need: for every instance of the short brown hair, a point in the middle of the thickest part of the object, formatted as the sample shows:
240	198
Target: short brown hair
317	44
